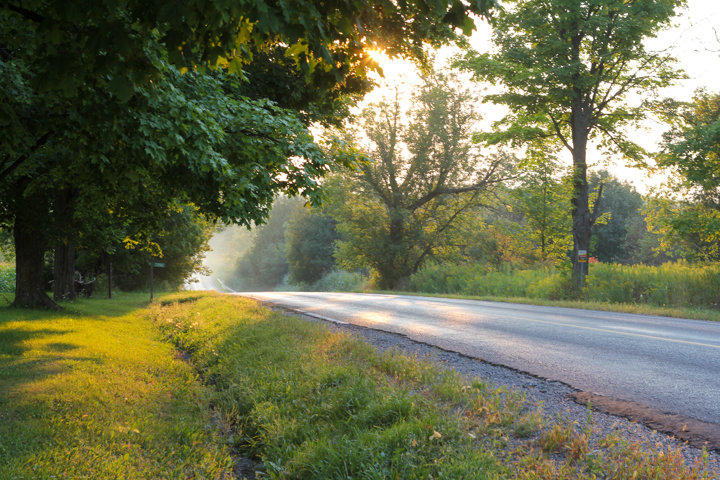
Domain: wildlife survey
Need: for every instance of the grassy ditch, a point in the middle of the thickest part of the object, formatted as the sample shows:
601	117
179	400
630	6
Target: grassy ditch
304	402
94	392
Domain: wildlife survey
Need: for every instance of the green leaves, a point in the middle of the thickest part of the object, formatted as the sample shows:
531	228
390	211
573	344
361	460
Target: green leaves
558	58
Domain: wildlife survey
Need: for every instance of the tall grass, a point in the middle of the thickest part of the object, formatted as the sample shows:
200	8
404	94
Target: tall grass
672	284
679	285
479	280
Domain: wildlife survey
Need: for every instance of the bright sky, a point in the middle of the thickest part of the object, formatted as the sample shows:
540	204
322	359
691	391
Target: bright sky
694	40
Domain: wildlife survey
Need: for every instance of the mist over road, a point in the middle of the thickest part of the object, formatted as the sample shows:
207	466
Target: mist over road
668	364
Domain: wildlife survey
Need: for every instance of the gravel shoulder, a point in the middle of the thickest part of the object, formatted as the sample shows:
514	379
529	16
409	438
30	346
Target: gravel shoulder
555	398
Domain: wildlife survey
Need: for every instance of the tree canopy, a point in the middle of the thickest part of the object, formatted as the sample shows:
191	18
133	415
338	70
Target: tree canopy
123	108
568	68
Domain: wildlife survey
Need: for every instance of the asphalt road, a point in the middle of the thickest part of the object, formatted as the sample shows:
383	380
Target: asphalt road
669	364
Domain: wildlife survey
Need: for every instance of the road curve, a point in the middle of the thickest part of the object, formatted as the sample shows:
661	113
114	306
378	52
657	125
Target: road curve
668	364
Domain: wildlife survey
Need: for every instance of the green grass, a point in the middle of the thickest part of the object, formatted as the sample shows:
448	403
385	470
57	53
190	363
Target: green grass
93	392
308	403
180	388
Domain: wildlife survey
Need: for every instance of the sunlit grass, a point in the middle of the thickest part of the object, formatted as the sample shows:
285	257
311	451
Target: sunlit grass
92	392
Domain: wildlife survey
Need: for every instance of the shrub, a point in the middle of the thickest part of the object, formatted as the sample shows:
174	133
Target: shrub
7	278
482	280
340	281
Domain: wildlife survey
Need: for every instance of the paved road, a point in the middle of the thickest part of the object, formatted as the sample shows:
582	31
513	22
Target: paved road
669	364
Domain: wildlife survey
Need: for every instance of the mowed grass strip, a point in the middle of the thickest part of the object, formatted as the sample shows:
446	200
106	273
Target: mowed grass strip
95	392
308	403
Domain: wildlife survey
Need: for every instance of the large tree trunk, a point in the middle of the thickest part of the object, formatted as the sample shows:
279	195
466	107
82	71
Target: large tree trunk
65	249
581	216
392	269
64	272
109	273
30	245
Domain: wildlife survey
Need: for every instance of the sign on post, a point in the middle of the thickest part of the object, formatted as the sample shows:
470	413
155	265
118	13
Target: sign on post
154	265
582	256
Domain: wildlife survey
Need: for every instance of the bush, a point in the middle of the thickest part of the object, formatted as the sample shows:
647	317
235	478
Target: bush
339	281
482	280
7	278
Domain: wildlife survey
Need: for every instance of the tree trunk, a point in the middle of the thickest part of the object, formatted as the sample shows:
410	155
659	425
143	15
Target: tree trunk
64	272
109	273
65	248
391	271
30	244
582	220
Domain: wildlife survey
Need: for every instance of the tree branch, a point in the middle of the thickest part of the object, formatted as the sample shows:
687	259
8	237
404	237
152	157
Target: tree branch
18	161
28	14
596	207
556	125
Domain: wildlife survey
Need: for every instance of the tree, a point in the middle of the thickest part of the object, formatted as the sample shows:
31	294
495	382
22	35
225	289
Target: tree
692	145
61	60
183	139
422	175
685	229
542	199
616	239
691	148
569	68
310	239
179	239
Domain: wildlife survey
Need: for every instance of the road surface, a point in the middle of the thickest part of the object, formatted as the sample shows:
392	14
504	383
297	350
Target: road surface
669	364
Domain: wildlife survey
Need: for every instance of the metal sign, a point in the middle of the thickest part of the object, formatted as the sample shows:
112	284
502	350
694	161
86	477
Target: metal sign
158	265
582	256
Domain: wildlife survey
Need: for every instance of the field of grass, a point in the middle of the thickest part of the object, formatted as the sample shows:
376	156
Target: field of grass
185	386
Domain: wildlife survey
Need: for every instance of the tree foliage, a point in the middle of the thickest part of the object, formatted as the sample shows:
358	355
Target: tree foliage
422	174
692	145
99	112
690	226
542	199
264	265
568	68
310	239
618	239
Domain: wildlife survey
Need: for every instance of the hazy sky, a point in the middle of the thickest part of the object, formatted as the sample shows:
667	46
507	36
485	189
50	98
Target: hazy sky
694	40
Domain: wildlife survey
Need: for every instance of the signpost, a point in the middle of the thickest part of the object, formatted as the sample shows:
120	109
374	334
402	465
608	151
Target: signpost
582	260
154	265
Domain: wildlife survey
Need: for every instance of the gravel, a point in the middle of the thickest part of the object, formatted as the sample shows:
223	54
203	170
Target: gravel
553	396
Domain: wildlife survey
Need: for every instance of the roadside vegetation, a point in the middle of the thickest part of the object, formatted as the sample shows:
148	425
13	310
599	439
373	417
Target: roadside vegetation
95	392
234	388
210	387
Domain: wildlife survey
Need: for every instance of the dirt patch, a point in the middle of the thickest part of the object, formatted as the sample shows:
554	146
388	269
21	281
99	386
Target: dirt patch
696	432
